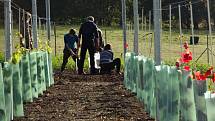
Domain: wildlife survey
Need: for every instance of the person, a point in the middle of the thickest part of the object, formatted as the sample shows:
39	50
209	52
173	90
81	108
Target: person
107	63
89	34
70	50
25	32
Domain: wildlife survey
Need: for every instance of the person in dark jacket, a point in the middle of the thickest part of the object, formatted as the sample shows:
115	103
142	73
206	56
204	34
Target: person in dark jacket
107	63
70	50
89	34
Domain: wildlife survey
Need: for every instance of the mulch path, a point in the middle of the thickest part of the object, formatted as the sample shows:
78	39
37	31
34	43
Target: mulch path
86	98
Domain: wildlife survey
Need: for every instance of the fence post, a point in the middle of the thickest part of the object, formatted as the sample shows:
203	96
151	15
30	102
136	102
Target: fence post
192	27
8	29
170	27
180	26
124	26
34	22
48	20
210	30
55	36
136	26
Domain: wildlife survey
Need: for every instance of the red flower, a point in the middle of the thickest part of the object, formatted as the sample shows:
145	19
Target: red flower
126	45
199	76
208	72
213	78
187	56
186	46
177	64
187	68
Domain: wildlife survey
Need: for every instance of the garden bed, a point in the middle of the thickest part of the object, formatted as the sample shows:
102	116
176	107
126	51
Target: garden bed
87	98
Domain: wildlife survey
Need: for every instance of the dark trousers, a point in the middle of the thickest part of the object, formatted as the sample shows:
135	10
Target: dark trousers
91	49
66	56
106	68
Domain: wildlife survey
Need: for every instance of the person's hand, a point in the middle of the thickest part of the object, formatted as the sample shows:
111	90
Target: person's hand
72	53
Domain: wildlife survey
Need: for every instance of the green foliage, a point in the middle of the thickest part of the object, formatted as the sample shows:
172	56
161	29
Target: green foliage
193	65
199	67
1	57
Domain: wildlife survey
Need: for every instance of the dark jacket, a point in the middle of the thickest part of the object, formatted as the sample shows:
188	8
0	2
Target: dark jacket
88	31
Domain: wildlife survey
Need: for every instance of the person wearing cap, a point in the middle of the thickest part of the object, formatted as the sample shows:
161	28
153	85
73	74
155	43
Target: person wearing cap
90	41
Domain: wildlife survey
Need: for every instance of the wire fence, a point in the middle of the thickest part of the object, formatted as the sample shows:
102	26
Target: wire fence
172	37
22	28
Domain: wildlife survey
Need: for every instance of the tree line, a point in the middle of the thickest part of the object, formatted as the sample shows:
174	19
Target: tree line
108	12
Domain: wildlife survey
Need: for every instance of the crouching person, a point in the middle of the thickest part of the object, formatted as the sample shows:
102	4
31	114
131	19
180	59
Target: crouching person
107	63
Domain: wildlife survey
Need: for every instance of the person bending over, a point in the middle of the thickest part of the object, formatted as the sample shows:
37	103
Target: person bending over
70	50
107	63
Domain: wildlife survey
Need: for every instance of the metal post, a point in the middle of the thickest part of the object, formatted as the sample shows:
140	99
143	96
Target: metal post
180	26
34	26
136	25
105	36
142	19
210	30
145	29
150	19
19	27
55	36
192	28
124	26
40	27
161	19
48	20
8	29
23	21
149	38
157	28
170	26
208	53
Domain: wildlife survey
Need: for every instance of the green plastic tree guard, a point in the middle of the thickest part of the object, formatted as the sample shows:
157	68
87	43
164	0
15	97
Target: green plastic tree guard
7	76
47	71
149	84
43	71
162	83
135	74
200	87
2	97
33	70
130	72
187	104
173	96
17	92
51	69
143	84
40	73
26	79
126	75
210	103
140	77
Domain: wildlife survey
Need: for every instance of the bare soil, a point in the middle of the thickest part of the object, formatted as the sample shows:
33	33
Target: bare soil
86	98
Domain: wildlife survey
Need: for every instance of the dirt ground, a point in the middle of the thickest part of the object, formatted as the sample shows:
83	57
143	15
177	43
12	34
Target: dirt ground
86	98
